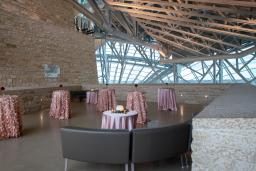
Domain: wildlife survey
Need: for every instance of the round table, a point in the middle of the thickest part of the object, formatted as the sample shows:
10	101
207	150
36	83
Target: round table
92	97
106	99
136	101
119	120
166	99
60	106
10	117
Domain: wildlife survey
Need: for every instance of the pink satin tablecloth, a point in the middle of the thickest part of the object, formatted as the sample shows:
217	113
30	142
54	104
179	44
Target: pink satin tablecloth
60	106
10	117
92	97
106	99
119	120
137	101
166	99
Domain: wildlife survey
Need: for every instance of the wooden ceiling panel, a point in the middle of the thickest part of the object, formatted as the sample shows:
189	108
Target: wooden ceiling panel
194	27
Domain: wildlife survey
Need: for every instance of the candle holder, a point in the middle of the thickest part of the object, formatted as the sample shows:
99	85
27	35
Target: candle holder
136	86
119	109
2	90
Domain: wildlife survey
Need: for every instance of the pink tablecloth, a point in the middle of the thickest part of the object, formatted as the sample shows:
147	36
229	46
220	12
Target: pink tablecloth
106	99
137	101
92	97
167	99
10	117
119	120
60	106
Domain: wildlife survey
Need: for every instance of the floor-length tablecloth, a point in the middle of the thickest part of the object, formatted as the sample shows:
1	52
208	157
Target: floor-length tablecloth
60	106
119	120
166	99
10	117
92	97
137	101
106	99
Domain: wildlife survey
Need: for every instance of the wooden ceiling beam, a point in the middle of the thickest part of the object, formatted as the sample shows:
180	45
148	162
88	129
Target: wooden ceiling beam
207	58
183	39
180	46
242	36
192	6
131	23
121	21
181	12
229	2
187	20
151	24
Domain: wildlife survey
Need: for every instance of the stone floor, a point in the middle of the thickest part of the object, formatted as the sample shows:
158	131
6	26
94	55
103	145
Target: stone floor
39	148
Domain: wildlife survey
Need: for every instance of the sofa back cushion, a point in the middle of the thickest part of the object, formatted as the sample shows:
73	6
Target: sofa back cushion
95	145
151	144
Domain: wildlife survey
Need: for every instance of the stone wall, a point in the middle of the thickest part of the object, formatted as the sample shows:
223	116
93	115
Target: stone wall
33	100
224	132
224	144
237	102
57	12
185	93
38	32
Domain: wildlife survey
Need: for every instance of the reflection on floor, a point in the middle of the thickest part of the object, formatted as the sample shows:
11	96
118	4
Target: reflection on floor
39	147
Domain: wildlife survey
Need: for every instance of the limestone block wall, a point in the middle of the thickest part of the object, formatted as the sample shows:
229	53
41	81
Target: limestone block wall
185	93
237	101
57	12
38	32
35	99
224	144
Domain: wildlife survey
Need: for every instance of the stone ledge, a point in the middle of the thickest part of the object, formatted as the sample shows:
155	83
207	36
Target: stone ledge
36	99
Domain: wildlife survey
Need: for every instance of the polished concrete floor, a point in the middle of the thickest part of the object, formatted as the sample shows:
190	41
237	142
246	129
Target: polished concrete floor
39	148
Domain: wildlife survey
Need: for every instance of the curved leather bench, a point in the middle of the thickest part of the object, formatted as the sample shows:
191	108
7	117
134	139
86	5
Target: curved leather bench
114	146
95	145
152	144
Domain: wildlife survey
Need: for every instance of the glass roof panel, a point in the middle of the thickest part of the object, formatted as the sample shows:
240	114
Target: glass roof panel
140	69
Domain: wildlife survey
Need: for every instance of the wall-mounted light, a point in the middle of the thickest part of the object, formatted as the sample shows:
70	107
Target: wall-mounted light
162	53
41	119
181	110
206	96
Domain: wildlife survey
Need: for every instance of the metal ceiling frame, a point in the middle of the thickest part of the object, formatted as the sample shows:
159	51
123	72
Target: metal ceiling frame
187	30
162	73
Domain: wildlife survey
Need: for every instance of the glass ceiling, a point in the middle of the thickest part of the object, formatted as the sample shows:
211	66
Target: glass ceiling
123	63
